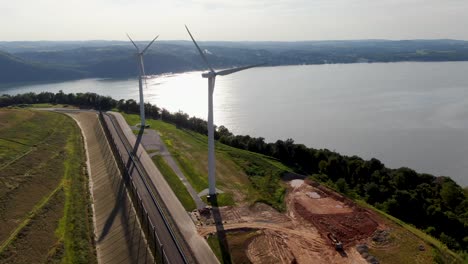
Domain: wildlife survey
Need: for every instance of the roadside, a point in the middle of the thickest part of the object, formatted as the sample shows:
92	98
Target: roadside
151	141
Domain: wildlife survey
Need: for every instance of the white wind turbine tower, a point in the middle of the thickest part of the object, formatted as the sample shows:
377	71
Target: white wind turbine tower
141	76
211	75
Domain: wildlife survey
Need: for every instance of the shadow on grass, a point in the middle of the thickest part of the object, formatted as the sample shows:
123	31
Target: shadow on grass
220	232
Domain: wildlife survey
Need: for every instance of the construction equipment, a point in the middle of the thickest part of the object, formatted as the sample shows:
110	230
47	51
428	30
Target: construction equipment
338	245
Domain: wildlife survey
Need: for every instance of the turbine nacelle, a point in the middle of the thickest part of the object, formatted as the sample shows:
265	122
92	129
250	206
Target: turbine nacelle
209	74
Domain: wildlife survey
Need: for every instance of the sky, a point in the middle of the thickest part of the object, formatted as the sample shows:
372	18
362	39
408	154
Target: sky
237	20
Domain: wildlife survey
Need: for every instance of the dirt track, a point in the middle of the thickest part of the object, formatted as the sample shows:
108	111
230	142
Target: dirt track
299	234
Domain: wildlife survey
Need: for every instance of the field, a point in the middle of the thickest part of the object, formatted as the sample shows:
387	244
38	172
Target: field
44	199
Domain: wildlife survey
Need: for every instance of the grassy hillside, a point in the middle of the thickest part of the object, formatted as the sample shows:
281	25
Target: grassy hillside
249	177
244	176
45	211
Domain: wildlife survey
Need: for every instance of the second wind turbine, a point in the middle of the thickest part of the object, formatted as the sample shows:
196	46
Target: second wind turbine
211	76
141	76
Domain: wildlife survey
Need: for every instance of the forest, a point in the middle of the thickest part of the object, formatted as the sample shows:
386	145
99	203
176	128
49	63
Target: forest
34	61
434	204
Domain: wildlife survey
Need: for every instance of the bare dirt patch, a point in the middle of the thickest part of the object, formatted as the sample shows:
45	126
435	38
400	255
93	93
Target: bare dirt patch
298	236
323	205
333	213
269	240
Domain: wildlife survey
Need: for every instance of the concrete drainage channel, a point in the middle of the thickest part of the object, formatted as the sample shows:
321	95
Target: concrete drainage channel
138	188
118	234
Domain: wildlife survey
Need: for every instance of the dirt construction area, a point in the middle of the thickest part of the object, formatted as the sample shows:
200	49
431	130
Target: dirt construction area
331	213
297	236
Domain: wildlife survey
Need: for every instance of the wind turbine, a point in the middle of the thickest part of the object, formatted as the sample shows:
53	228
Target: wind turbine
141	76
211	75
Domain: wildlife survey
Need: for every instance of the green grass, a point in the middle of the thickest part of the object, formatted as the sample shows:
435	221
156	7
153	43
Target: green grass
136	132
18	135
439	251
222	199
244	176
39	157
264	175
76	227
213	242
37	236
176	184
28	218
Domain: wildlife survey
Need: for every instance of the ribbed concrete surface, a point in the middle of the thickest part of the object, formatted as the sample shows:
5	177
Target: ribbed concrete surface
119	238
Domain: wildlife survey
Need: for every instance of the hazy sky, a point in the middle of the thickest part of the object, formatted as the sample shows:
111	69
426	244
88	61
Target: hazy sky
286	20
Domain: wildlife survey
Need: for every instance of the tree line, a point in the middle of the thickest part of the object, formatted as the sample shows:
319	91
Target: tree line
437	205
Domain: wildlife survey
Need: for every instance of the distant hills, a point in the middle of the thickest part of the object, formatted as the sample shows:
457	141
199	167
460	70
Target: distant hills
14	69
62	60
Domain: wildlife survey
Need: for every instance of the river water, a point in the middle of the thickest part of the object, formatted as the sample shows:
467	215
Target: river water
404	114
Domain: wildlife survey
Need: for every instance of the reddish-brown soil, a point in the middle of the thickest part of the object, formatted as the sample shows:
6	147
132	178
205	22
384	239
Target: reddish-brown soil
333	213
300	234
347	227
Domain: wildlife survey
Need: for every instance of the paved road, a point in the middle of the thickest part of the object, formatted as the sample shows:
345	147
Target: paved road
197	244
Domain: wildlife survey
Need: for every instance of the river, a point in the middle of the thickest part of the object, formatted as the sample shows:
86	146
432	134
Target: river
405	114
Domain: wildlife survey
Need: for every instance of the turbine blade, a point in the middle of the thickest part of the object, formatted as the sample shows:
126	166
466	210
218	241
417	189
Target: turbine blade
150	44
133	43
229	71
199	50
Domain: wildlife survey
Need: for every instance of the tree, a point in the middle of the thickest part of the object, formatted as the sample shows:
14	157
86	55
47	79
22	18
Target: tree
372	192
451	194
224	132
342	185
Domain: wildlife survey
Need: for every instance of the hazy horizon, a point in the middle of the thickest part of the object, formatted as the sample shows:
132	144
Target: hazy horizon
214	40
280	20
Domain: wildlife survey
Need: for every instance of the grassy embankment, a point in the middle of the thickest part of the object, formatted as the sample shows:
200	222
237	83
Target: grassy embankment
245	177
44	200
407	237
175	183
